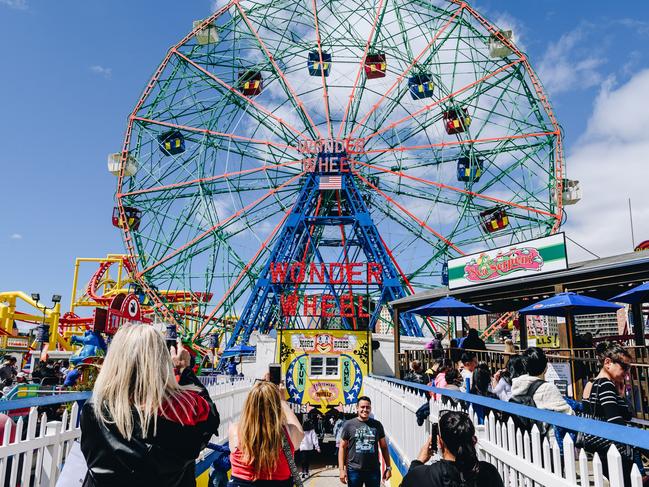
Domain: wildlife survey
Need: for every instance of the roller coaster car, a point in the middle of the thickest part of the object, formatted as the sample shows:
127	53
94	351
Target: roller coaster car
375	65
468	170
497	48
250	82
456	120
421	86
171	143
494	219
207	35
314	63
133	217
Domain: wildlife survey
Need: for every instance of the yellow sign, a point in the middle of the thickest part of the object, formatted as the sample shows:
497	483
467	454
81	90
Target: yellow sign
543	341
324	369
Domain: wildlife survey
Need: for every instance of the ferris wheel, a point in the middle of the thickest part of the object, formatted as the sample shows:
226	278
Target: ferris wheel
396	134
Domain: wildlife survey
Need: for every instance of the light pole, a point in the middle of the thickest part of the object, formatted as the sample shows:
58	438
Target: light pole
43	330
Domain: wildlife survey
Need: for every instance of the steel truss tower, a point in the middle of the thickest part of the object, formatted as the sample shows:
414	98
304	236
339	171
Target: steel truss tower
300	241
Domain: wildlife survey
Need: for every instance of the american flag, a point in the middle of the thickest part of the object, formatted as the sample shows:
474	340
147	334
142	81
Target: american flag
331	182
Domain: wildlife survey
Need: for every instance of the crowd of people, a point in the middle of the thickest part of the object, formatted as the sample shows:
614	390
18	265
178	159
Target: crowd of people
46	373
522	381
150	417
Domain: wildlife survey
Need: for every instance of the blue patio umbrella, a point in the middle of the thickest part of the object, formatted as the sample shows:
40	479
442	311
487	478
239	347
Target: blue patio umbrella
448	306
239	351
638	294
569	304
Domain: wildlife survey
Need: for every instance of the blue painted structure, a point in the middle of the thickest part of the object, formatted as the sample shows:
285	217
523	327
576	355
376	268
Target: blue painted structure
44	400
301	236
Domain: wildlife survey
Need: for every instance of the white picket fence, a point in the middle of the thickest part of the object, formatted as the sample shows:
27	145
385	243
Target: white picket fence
36	460
523	460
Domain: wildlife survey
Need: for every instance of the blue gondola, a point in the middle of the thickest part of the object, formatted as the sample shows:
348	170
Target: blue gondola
468	170
314	63
421	86
171	143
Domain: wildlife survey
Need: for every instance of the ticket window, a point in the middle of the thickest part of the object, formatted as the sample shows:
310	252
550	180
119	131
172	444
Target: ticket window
324	367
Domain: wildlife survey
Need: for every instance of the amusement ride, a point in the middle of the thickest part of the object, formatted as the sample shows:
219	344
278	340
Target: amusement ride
300	165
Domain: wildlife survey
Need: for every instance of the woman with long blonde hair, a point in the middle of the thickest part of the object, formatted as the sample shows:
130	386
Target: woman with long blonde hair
256	441
141	427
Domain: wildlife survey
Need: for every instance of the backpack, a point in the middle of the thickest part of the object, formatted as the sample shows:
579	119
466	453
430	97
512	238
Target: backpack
527	399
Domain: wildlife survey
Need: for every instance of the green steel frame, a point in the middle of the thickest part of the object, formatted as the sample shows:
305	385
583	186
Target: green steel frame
211	214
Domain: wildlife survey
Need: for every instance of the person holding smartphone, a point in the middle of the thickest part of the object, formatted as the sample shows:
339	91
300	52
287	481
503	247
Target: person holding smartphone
459	464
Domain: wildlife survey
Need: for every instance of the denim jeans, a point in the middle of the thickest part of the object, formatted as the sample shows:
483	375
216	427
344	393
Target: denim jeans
356	478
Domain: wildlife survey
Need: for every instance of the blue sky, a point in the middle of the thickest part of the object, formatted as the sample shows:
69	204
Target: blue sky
72	71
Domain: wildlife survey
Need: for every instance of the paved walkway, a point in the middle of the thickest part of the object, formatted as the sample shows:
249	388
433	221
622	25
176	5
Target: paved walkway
323	477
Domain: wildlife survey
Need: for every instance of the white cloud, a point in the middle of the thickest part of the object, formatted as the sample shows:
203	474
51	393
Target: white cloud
101	71
16	4
610	160
15	236
565	67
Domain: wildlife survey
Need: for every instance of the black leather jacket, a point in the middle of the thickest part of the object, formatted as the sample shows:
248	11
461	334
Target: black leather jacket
166	459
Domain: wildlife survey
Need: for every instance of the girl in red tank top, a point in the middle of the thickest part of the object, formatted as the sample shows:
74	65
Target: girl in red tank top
257	456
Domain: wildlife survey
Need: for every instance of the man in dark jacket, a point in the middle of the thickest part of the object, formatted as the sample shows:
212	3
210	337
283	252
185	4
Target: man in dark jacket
473	341
8	370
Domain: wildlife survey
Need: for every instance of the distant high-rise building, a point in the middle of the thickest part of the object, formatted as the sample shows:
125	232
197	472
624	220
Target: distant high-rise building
384	323
605	324
542	325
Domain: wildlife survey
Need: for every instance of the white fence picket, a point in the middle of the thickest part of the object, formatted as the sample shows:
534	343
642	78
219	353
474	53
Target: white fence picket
636	477
583	469
615	474
547	456
569	459
556	458
598	472
519	453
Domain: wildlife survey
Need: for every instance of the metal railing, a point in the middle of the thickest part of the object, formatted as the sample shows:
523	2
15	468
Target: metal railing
522	458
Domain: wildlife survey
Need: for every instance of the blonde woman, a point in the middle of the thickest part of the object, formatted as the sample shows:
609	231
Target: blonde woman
257	456
141	427
508	352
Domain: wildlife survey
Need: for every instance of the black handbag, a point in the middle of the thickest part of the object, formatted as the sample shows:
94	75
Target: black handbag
597	444
286	448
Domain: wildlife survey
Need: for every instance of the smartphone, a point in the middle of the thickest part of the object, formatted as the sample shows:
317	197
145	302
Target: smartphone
275	373
434	432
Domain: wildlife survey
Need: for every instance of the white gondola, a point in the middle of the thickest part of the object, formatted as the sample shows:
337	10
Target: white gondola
207	35
114	161
571	191
497	48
